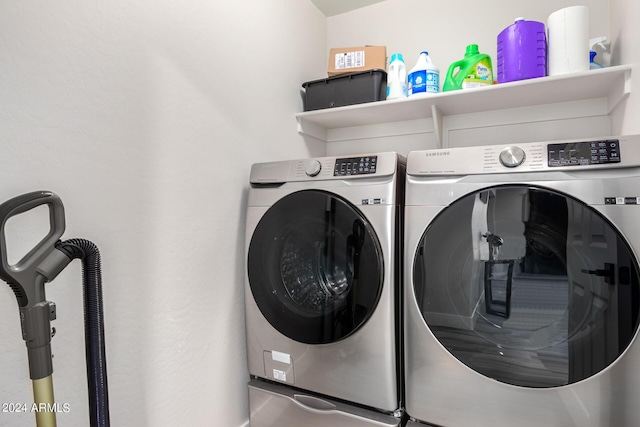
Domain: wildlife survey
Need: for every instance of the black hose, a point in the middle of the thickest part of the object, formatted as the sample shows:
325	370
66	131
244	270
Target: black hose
93	327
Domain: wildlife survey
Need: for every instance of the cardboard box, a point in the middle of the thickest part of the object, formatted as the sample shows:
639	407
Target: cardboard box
343	60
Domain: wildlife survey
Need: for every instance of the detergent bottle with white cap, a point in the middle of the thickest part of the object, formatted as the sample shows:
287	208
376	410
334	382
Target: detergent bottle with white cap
424	77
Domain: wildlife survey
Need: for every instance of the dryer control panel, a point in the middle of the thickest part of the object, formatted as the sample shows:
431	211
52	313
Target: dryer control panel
594	153
583	153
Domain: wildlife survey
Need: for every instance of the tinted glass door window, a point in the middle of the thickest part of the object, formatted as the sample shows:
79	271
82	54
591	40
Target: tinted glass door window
315	267
527	286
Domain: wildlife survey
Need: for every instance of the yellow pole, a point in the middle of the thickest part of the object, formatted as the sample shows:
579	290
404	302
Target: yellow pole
45	404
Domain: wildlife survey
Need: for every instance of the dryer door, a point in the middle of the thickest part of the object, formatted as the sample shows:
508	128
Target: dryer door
315	267
527	286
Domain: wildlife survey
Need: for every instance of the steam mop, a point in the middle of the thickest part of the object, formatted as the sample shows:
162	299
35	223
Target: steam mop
27	279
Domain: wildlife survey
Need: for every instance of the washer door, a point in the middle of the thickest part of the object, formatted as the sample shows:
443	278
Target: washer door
315	267
527	286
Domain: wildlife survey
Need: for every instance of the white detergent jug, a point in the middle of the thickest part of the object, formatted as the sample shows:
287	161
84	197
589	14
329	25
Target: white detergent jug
424	77
396	77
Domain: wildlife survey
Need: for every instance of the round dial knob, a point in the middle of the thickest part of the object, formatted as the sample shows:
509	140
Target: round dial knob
313	168
512	157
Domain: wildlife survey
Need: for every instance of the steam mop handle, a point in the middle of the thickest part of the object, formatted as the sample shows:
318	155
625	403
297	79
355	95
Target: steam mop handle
28	275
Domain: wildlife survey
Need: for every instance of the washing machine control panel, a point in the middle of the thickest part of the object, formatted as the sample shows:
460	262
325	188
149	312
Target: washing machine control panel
584	153
361	167
355	166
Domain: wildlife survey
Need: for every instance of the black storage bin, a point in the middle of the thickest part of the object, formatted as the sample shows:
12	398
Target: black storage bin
346	89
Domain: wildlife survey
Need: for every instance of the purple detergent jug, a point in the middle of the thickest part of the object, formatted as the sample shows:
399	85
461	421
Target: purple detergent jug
522	51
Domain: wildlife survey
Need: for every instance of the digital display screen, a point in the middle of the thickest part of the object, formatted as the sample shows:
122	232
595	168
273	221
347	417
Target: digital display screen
584	153
356	166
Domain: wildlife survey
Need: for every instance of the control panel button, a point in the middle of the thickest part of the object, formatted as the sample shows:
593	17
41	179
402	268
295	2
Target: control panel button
313	168
512	157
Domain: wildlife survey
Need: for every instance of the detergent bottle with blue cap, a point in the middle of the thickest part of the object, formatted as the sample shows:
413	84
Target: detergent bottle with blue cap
396	77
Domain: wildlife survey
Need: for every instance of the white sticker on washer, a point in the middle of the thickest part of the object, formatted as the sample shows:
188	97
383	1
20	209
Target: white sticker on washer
281	357
373	201
279	375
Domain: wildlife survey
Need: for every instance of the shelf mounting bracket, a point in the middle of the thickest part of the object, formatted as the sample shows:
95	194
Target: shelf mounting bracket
436	114
619	92
305	127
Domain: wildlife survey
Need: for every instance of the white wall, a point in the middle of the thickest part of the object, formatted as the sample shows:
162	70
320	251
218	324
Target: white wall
144	117
625	15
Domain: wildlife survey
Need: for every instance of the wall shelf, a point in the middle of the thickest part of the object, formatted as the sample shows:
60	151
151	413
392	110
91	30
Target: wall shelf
612	83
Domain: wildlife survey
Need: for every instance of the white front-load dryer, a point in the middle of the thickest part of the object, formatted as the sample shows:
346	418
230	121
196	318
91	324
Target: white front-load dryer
522	297
322	284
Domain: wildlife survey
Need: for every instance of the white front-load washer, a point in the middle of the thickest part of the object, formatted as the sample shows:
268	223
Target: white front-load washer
323	285
521	272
